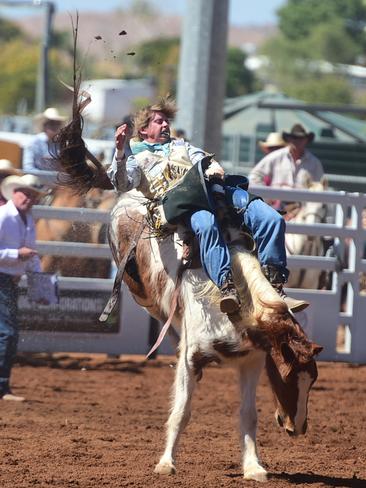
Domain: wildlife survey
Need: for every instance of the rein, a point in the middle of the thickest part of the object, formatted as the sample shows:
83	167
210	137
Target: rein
173	308
119	276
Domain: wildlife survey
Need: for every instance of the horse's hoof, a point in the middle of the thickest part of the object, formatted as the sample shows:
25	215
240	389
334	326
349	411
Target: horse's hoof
165	468
256	474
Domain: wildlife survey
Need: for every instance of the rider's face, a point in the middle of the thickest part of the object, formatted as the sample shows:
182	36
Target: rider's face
158	129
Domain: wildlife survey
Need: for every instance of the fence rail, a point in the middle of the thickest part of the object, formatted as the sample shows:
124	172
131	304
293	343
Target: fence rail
325	320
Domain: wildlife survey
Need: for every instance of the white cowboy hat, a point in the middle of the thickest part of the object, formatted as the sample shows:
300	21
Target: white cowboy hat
50	113
7	168
274	139
12	183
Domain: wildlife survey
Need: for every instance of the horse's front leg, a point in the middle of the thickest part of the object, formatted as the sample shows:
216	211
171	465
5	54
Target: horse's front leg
180	414
249	374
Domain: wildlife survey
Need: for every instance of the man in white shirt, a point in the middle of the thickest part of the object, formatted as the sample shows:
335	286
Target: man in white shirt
292	166
17	255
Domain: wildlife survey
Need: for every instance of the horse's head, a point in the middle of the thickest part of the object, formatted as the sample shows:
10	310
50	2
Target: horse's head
292	371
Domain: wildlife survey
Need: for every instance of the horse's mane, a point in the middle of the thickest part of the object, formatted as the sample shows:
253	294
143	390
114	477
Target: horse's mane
81	170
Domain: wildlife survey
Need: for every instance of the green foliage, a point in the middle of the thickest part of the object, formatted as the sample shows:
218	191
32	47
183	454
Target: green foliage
312	34
333	43
8	31
159	59
239	80
18	75
323	89
298	18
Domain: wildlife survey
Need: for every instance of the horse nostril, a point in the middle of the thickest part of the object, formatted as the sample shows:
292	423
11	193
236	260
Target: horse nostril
279	420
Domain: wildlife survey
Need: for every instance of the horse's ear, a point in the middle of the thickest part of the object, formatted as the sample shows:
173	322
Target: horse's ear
287	353
316	349
288	359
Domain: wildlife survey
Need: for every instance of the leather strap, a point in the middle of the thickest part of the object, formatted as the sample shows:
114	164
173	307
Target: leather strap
119	275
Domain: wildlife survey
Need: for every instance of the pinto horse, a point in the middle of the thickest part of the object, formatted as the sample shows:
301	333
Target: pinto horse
264	334
306	245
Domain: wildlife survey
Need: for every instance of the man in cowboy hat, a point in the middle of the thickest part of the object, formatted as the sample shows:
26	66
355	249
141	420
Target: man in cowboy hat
17	255
291	166
6	169
41	152
273	142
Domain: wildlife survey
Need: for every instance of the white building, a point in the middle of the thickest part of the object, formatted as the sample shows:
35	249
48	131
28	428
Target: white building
112	99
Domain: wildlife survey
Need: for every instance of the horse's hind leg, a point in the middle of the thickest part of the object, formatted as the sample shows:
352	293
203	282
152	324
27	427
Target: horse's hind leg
248	379
180	414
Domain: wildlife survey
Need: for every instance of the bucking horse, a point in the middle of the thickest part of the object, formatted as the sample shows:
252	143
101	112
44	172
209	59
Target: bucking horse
263	335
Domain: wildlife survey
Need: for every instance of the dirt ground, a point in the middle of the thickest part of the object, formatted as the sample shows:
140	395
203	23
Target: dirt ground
94	421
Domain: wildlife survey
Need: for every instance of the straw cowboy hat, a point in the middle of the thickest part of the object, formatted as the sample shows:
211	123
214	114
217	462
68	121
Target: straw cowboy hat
29	182
274	139
50	113
7	169
298	132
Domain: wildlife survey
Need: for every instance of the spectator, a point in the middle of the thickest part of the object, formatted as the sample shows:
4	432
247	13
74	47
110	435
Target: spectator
6	169
292	166
40	153
273	142
17	255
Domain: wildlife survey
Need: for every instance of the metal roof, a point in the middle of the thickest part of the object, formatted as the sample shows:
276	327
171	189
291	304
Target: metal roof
264	112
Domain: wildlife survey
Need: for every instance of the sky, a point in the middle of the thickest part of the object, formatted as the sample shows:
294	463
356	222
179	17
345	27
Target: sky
241	11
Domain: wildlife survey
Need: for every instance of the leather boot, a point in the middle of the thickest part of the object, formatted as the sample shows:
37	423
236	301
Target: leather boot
230	302
277	280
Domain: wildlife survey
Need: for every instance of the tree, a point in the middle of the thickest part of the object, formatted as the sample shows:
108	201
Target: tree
315	37
239	80
298	18
8	31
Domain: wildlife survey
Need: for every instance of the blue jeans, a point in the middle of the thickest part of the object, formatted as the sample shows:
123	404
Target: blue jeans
8	329
265	224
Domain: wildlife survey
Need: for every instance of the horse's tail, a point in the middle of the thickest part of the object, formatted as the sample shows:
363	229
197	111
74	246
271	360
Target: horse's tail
81	170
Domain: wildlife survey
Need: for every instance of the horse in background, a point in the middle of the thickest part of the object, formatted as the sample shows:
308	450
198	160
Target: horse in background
68	231
306	245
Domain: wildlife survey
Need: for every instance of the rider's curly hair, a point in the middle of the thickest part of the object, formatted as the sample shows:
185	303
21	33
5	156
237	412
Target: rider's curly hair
142	118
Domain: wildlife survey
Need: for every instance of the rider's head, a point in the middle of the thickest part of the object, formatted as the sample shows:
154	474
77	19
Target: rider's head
152	123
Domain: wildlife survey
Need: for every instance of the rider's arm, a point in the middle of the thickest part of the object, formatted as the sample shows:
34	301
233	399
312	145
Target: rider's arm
125	174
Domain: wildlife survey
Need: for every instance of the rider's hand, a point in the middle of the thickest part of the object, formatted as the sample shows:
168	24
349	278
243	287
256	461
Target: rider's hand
120	136
25	253
215	171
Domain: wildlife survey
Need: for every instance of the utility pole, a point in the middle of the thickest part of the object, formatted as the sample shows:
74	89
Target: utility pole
42	90
42	87
202	73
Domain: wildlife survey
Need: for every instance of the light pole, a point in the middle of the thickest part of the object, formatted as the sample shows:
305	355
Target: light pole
42	87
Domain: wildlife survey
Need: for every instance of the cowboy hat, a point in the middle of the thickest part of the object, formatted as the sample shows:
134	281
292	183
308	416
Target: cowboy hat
7	169
274	139
11	183
298	132
50	113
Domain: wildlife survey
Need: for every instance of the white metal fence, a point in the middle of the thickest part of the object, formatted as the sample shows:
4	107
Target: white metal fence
342	333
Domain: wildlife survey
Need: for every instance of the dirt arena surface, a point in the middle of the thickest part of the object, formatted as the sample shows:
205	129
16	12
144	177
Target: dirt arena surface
94	421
